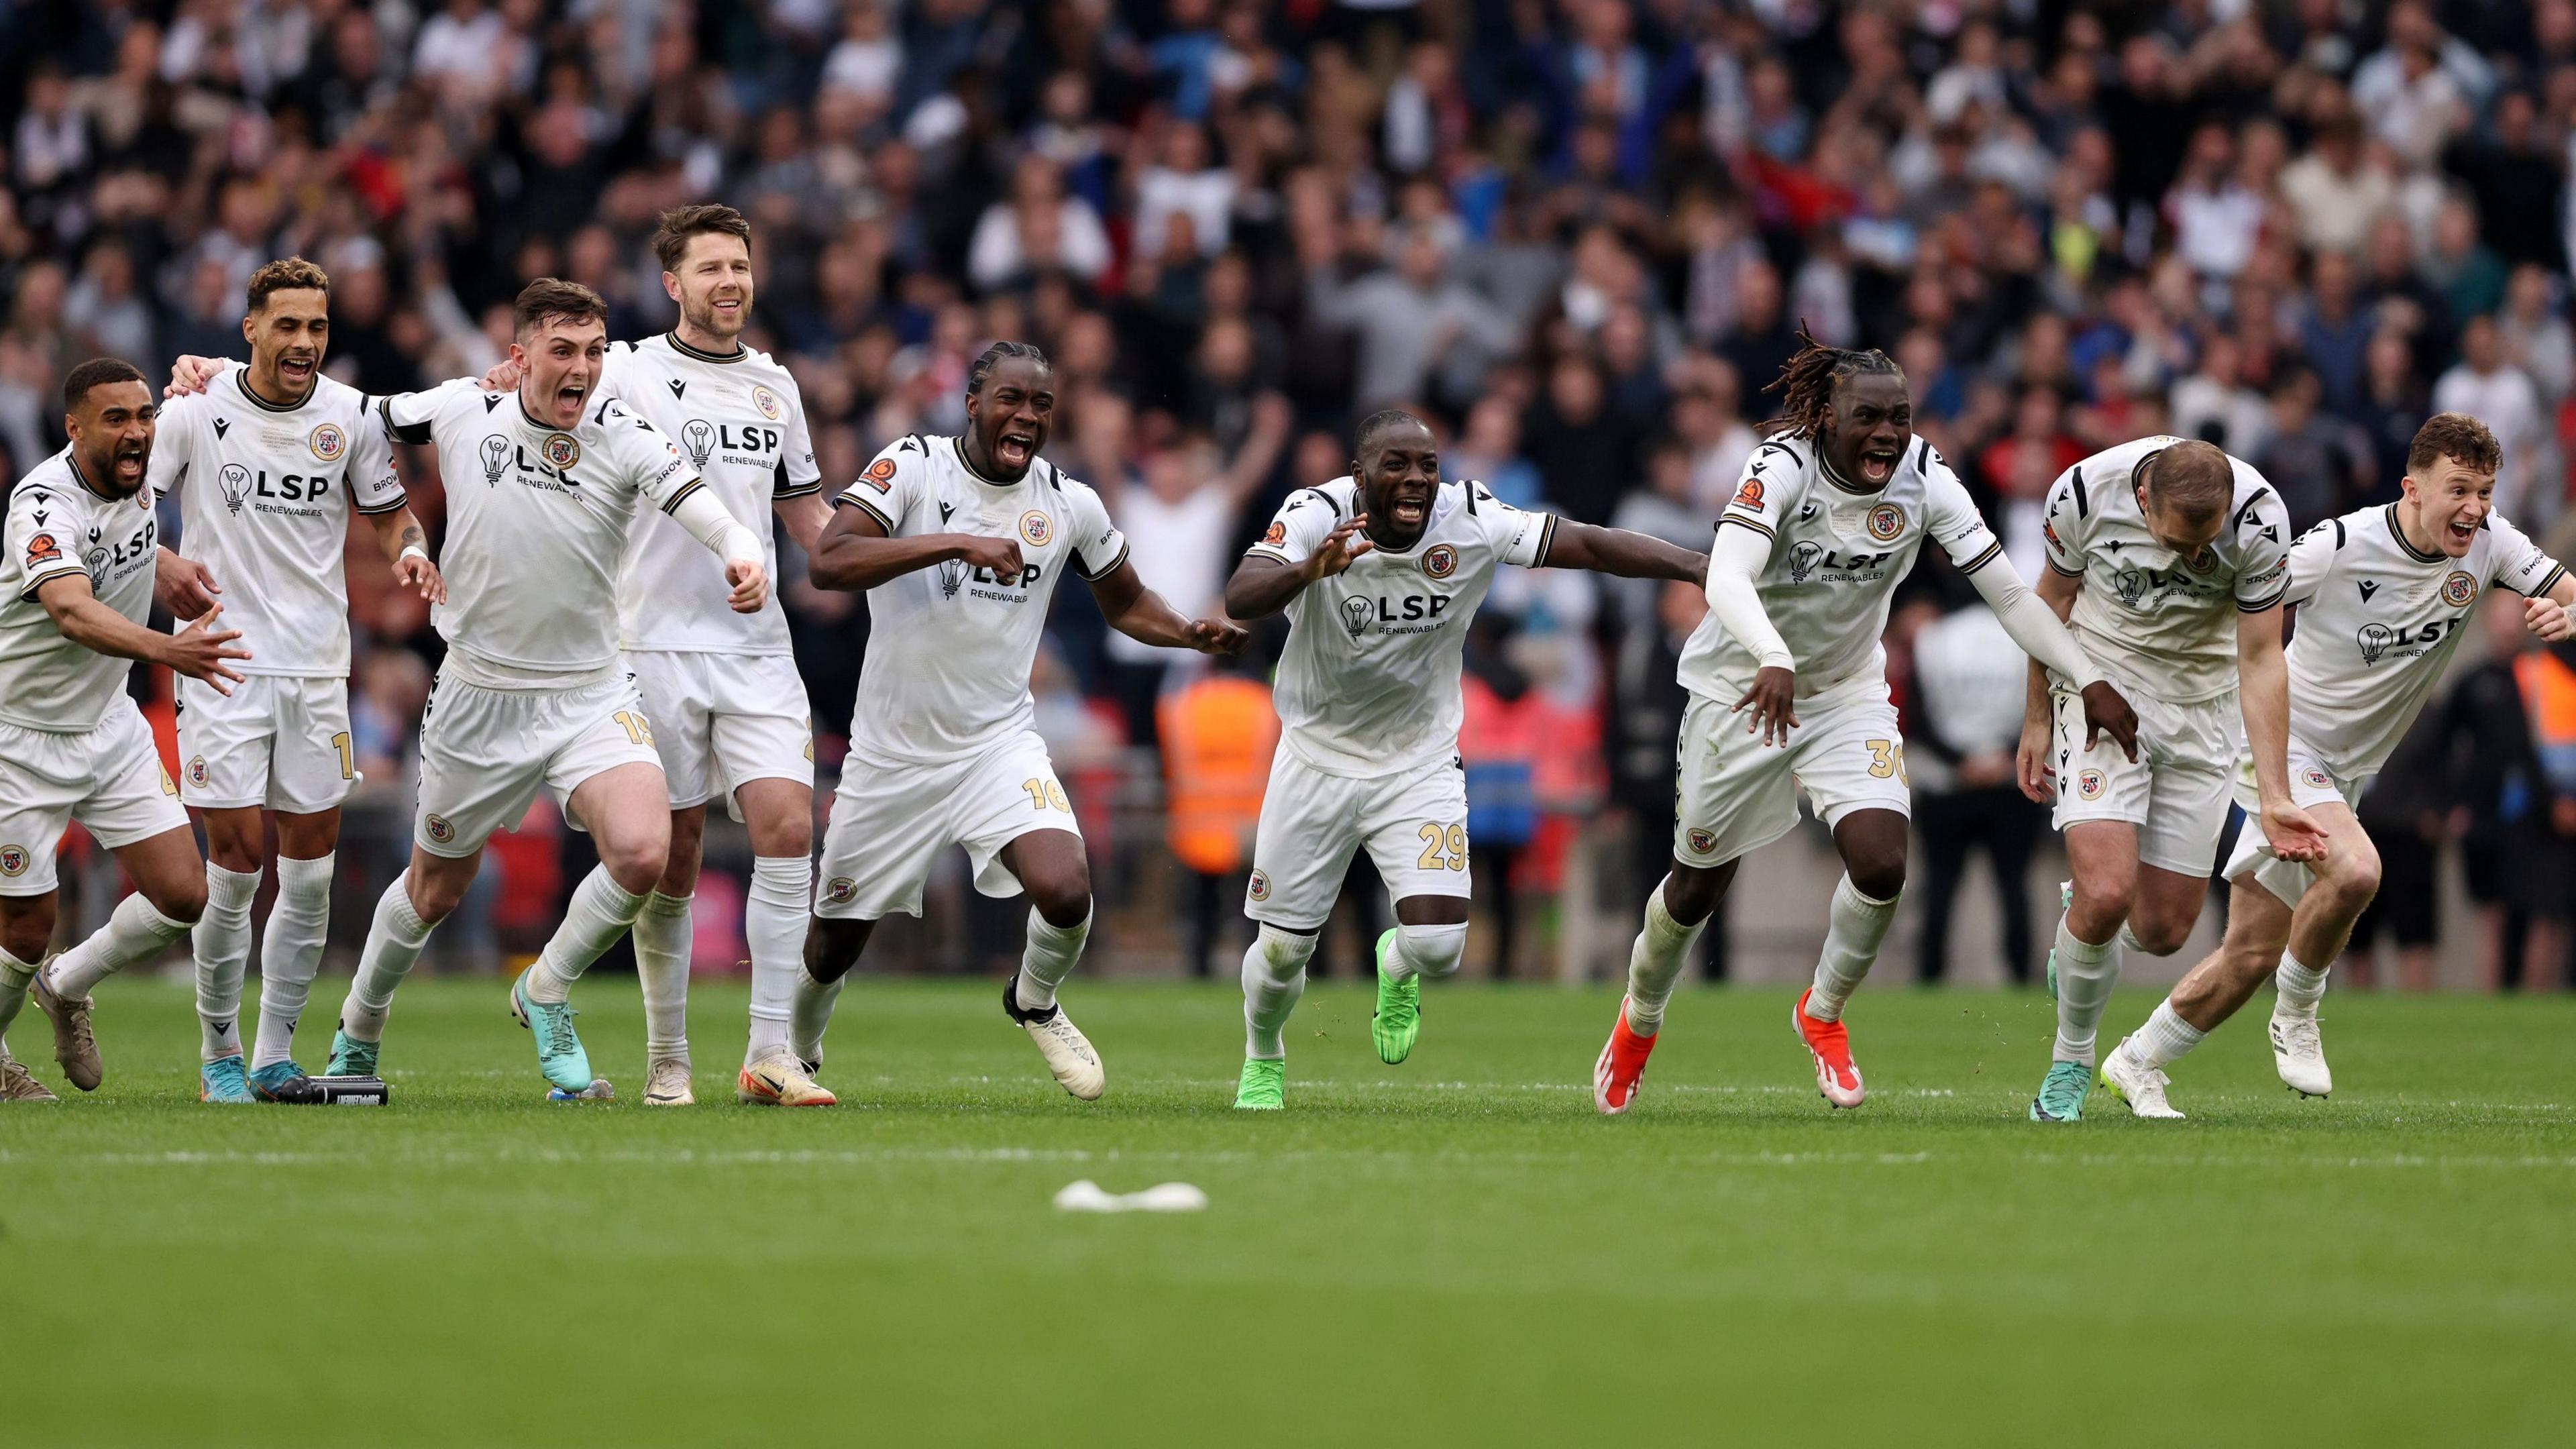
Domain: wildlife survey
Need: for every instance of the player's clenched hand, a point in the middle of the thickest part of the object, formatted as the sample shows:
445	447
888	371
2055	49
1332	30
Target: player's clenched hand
1345	543
182	586
999	557
1218	636
750	586
199	652
2105	712
2544	618
2293	835
191	373
2030	761
1770	698
504	377
414	571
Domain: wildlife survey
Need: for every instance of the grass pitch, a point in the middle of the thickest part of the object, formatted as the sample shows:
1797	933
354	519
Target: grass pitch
1454	1251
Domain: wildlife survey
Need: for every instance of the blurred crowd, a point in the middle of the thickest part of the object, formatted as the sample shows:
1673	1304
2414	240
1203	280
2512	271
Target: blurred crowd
1580	236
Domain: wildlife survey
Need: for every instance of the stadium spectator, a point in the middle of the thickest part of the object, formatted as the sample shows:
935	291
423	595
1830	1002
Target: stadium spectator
1962	721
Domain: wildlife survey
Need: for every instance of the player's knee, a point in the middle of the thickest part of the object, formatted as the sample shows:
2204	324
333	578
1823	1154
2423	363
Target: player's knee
435	895
1060	891
1281	955
182	899
1691	893
2160	935
635	862
1879	875
233	852
26	935
832	947
2352	884
1434	950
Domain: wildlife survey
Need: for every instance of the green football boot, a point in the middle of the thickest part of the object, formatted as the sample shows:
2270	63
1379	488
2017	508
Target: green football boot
2061	1093
351	1057
224	1081
1264	1087
559	1053
1398	1023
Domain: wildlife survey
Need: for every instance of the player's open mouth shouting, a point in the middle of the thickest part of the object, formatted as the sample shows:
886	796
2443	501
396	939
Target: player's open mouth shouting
1408	505
1878	462
295	368
133	456
1014	446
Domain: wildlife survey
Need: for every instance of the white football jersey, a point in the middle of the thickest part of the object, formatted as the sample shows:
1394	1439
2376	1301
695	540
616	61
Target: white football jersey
740	423
265	507
2377	621
1368	683
537	521
949	647
57	526
2160	624
1837	555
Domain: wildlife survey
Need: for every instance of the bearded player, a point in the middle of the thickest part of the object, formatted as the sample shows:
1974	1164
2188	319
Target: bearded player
960	543
1380	572
1788	689
2171	559
2382	597
271	461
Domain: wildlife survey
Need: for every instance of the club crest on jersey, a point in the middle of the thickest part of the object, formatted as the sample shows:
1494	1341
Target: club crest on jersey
2088	784
1357	615
2316	777
1439	561
2374	640
701	440
236	483
1259	890
13	860
560	450
440	829
496	457
328	442
765	400
2459	588
197	772
1037	528
1701	841
840	890
1802	561
1885	521
1749	497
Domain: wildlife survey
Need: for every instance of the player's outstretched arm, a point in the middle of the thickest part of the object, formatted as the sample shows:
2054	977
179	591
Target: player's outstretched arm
2263	695
197	651
2057	589
406	546
1142	615
853	552
746	554
1618	551
2045	638
1734	561
1263	585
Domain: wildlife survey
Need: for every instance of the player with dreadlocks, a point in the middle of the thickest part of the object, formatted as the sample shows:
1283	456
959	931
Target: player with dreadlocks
1828	517
960	543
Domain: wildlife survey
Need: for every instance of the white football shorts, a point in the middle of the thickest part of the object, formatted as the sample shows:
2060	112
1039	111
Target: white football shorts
890	821
2311	785
484	752
1736	794
1414	824
109	778
723	720
2176	790
277	742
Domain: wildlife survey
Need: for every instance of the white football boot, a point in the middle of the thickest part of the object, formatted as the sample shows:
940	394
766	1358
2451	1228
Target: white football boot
2299	1054
1067	1051
667	1084
2141	1086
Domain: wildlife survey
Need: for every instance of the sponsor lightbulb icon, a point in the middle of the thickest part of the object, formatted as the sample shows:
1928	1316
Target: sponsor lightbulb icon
1802	561
2374	640
496	456
2132	586
700	438
236	481
1357	614
952	577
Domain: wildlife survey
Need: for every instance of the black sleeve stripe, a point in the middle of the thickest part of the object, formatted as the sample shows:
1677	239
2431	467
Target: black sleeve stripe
1922	453
692	486
1993	551
399	499
853	500
2541	589
1763	529
1329	502
2056	567
807	491
2338	523
1101	573
2083	508
413	433
2259	606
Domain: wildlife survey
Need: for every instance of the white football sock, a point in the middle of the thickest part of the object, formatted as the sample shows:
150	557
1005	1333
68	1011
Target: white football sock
134	932
599	912
1433	951
811	1012
1274	976
15	977
1049	959
2300	989
2085	975
223	958
2129	940
394	939
662	941
773	925
1655	963
1855	924
2165	1037
290	954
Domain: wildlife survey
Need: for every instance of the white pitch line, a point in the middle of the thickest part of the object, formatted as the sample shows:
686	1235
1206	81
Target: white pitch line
1008	1156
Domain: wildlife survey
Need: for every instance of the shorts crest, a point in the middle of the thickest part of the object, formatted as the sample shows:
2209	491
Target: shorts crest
197	772
2088	784
1260	887
1701	841
13	860
439	829
840	890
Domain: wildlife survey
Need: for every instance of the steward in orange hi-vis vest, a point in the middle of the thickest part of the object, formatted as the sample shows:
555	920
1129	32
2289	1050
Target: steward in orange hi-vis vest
1217	737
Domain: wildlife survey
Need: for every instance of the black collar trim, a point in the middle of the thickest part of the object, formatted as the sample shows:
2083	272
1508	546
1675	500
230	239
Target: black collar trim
241	382
2397	531
685	350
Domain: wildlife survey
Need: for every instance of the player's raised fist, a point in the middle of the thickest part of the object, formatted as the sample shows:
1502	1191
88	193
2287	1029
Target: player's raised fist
2106	713
2543	616
199	652
1218	636
1774	689
1345	543
999	557
750	586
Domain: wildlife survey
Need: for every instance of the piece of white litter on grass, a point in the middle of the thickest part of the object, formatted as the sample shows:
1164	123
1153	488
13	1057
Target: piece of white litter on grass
1087	1196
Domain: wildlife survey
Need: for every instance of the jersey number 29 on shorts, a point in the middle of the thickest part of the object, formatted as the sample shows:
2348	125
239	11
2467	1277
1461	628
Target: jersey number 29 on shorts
1443	846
